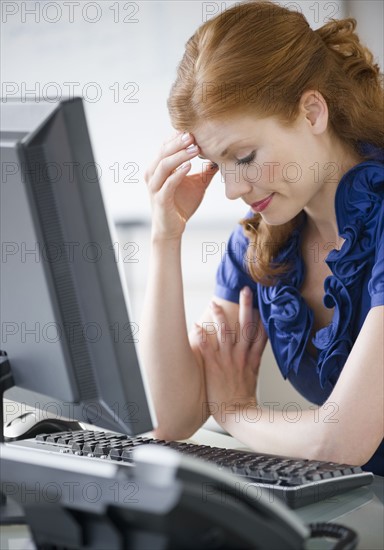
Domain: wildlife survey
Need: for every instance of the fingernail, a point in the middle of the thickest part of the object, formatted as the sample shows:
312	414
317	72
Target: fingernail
185	136
192	148
184	165
246	291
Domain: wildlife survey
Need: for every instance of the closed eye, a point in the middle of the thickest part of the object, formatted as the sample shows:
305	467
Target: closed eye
247	160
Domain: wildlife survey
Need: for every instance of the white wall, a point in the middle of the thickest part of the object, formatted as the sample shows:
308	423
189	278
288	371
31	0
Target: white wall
55	42
48	44
370	22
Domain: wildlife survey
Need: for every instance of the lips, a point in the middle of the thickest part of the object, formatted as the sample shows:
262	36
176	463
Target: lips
261	205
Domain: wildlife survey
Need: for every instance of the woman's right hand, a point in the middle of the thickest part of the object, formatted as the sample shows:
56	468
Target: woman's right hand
174	195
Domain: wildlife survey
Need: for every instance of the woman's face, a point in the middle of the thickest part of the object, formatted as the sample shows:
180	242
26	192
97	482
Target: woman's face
266	159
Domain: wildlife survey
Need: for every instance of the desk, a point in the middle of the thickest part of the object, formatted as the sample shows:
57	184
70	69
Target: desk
361	509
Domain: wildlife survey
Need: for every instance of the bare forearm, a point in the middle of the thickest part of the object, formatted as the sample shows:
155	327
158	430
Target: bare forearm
294	432
174	376
348	428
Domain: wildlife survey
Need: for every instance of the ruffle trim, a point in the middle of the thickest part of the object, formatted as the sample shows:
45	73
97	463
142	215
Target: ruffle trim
285	313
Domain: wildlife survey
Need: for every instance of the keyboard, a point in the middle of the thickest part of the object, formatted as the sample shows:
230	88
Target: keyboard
296	481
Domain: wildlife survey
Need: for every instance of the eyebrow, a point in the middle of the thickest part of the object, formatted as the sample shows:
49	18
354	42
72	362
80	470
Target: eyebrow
222	154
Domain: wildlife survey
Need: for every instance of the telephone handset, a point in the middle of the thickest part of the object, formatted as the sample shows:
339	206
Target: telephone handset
167	501
230	513
217	510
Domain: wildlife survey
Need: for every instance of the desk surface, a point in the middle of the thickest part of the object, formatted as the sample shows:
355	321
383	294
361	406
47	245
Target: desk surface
361	509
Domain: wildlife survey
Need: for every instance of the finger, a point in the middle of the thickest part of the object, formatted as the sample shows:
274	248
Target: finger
194	335
261	337
226	335
258	346
169	164
172	182
248	328
166	157
201	338
201	180
176	138
261	334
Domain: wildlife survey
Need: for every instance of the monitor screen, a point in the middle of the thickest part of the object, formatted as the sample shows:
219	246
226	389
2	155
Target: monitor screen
65	321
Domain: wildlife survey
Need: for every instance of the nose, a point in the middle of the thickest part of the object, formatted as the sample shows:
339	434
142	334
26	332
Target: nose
236	186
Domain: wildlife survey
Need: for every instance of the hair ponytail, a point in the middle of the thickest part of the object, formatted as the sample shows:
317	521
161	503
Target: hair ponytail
355	59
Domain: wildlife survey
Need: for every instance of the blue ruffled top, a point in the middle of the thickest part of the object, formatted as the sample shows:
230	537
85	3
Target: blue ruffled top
355	286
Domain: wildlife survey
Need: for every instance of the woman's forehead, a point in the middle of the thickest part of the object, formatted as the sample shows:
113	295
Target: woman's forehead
219	137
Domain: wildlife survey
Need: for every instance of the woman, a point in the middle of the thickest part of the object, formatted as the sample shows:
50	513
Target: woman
293	119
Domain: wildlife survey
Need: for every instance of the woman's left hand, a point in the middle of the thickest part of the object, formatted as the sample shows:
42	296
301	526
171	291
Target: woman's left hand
232	359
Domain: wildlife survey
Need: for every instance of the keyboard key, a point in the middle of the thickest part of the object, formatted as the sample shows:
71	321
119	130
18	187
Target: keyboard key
102	449
41	437
64	440
297	480
313	476
89	447
52	438
115	453
326	475
126	455
77	446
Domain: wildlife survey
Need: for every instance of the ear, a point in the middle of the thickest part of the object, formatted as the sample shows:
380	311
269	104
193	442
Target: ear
315	110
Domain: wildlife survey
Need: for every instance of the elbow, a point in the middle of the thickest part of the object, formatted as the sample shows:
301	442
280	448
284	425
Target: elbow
178	427
353	456
172	433
341	456
341	449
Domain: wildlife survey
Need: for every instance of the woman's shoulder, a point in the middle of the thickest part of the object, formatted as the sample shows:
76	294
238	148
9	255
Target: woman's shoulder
360	193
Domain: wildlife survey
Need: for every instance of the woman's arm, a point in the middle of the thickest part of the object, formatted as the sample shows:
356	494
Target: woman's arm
175	377
347	428
359	395
173	359
176	380
173	364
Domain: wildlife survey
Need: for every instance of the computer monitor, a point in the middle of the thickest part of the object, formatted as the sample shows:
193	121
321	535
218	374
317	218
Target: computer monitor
65	323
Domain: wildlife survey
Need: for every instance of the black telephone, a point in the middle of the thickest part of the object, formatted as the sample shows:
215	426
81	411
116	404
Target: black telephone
167	501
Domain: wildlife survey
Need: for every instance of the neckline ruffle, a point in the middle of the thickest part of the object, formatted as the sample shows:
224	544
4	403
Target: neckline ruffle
286	315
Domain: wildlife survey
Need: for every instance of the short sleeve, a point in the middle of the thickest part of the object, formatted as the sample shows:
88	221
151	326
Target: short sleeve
376	283
232	274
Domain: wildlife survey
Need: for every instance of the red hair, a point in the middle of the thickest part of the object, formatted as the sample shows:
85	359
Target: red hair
258	58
